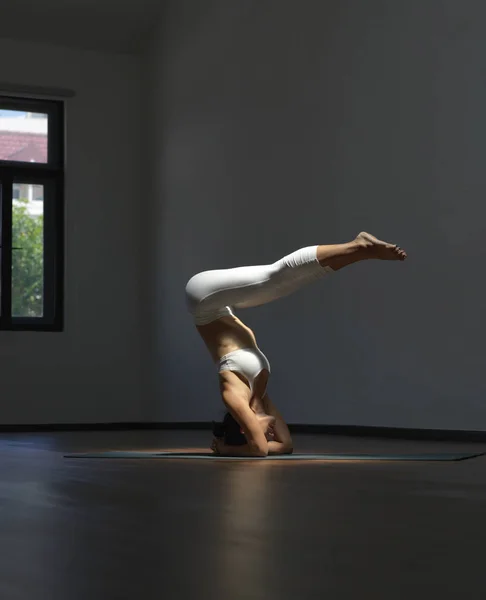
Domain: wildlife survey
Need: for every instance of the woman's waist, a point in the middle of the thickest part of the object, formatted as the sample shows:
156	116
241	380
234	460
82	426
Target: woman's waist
248	351
223	350
227	338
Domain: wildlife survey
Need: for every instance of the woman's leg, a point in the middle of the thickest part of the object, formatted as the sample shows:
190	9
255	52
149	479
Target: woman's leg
245	287
209	292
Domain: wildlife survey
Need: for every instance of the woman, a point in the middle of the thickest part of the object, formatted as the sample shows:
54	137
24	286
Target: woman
252	425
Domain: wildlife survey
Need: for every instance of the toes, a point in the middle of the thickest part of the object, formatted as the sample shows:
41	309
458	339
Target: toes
400	253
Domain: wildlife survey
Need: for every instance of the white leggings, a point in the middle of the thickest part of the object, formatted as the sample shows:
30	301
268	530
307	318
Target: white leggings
213	294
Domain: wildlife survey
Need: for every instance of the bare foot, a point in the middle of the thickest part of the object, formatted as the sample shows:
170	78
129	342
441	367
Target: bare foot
379	249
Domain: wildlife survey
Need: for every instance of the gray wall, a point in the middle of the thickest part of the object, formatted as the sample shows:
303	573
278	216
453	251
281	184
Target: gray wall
93	371
280	124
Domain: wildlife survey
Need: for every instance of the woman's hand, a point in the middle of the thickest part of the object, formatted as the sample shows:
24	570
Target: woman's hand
218	445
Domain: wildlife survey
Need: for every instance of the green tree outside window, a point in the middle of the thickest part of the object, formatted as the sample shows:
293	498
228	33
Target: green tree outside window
27	262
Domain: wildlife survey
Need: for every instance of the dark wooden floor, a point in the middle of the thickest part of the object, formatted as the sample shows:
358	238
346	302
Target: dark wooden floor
93	529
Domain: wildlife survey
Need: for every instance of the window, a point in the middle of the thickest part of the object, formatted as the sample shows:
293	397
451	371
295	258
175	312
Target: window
31	217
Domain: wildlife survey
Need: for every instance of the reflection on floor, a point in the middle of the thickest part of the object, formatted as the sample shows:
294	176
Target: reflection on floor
242	530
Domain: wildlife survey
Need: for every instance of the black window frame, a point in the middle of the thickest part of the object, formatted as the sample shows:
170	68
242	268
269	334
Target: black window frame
51	175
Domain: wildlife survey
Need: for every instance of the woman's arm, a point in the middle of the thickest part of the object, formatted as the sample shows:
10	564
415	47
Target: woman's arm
224	450
283	440
274	448
239	408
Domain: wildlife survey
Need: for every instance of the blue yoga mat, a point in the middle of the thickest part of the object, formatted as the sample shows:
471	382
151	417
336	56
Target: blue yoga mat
455	456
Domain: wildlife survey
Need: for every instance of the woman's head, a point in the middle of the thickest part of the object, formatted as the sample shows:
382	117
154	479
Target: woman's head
232	433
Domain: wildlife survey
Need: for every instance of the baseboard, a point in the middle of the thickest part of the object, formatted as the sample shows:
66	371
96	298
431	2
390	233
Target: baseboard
433	435
135	426
344	430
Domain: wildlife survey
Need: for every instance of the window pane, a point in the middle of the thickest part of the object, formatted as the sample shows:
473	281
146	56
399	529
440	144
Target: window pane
23	136
1	245
27	250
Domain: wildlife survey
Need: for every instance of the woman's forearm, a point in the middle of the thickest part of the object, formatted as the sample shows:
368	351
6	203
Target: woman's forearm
244	450
279	448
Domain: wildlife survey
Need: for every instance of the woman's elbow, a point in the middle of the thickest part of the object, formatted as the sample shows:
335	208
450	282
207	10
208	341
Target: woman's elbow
260	451
288	446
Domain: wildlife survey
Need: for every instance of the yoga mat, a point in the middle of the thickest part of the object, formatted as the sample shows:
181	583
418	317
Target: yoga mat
455	456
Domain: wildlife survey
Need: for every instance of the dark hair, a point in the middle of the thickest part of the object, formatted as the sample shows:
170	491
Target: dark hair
230	430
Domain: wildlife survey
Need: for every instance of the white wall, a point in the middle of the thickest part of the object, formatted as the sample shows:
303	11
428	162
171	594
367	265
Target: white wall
281	124
92	371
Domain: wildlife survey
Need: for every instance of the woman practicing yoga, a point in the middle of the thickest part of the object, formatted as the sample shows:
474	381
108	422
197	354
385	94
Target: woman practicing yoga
253	426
